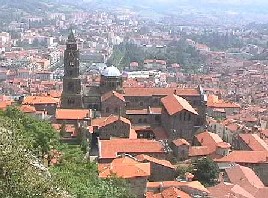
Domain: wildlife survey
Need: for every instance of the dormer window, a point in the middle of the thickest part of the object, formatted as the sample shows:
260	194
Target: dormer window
71	63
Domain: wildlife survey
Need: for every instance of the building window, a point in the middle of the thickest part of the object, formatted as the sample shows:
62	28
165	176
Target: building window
107	110
71	64
157	118
141	104
145	120
70	101
189	117
140	120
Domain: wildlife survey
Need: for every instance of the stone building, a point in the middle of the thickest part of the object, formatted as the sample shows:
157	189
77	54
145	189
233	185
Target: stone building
142	106
72	89
179	118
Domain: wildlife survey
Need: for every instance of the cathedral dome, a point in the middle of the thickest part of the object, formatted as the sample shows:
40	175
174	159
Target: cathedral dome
111	71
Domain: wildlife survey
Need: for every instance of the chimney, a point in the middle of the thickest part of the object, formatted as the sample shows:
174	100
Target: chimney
175	92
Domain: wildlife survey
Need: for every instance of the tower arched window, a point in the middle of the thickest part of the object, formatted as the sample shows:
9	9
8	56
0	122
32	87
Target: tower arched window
70	86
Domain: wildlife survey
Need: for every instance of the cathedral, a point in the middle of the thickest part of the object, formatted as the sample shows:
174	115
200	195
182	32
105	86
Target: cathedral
73	96
177	111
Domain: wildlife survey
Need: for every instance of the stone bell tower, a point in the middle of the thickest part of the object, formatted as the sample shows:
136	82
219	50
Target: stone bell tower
71	97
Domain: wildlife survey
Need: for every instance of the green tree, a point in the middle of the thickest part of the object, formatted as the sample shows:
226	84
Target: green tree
21	174
80	177
39	135
206	171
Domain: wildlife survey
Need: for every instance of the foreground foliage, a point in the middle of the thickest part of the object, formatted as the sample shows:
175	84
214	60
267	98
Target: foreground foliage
24	141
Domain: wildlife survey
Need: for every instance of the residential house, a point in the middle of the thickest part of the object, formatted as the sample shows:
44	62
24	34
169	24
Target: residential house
161	170
126	167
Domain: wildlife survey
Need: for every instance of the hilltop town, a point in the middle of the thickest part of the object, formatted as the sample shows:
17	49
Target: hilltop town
175	108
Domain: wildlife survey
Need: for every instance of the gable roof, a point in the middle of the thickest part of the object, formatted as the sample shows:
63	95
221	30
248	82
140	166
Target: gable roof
165	163
140	91
179	142
209	139
125	167
27	109
215	102
223	189
198	151
167	184
174	104
104	121
254	142
110	148
72	114
244	177
251	157
110	94
33	100
171	192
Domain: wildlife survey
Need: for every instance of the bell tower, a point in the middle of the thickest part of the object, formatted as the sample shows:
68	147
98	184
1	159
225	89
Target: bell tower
71	97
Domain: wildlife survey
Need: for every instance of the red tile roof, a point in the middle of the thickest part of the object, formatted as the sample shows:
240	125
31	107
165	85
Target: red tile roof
111	94
110	148
171	192
254	142
244	177
27	109
179	142
72	114
251	157
104	121
196	185
175	104
214	102
195	151
209	139
225	189
160	91
146	158
33	100
125	167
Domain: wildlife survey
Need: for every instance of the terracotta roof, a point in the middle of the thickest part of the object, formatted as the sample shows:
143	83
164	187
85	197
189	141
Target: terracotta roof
175	104
125	167
254	142
251	157
198	151
214	102
171	192
223	145
224	189
146	158
72	114
5	104
110	148
155	110
104	121
27	109
179	142
209	139
54	93
167	184
112	93
33	100
160	91
244	177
